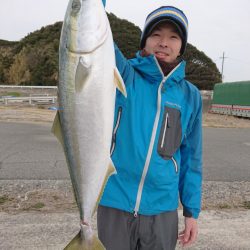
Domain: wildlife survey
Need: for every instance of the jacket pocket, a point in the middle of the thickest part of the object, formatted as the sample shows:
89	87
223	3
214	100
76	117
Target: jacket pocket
117	124
170	133
175	164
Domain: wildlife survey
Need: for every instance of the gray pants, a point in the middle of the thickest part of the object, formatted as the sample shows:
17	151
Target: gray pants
120	230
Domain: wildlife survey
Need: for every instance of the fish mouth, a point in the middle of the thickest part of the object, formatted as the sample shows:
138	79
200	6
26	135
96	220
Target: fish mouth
89	46
78	52
83	51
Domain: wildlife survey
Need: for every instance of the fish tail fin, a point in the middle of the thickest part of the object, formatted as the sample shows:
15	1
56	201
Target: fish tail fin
119	82
78	243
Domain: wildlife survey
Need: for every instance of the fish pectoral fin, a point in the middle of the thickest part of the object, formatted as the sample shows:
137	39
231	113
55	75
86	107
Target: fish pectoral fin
119	82
82	72
57	129
111	170
78	243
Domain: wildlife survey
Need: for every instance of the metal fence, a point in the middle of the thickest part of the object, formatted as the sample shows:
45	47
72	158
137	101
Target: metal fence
32	95
30	99
27	87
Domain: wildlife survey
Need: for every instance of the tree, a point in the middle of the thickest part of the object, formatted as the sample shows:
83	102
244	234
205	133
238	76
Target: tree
201	70
34	59
126	35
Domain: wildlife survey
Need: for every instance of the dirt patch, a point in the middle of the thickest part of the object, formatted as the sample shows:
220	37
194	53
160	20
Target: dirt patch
27	114
47	200
57	196
225	121
42	114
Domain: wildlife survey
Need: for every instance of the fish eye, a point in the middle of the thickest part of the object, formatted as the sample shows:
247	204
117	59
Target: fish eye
76	6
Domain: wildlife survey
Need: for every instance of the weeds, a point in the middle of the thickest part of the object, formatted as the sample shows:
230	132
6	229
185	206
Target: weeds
3	199
224	206
15	94
246	204
38	205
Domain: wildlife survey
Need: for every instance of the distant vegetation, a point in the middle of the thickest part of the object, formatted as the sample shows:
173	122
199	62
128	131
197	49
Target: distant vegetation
34	59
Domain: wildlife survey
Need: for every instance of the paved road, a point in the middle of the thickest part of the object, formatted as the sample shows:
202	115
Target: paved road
226	154
31	152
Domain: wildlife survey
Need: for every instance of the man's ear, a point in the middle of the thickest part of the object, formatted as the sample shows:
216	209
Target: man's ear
179	55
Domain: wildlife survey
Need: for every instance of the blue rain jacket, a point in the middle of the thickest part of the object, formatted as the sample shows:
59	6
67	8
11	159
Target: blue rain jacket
157	140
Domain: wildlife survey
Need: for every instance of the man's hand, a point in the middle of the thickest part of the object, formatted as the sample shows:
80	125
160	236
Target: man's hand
189	234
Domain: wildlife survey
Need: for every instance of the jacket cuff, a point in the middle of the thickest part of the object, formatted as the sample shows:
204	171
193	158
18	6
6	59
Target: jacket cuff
186	213
190	214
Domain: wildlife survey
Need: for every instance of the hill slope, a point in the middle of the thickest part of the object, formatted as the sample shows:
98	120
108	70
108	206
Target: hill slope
34	59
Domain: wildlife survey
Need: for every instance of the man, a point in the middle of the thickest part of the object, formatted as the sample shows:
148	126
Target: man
156	145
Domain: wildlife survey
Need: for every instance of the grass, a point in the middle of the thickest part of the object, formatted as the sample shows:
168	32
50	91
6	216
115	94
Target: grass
224	206
38	205
40	107
16	94
55	197
246	204
3	199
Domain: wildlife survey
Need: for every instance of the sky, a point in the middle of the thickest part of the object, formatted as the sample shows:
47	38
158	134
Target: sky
215	26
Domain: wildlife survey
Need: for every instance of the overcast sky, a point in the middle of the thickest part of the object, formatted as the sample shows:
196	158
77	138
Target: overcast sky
215	26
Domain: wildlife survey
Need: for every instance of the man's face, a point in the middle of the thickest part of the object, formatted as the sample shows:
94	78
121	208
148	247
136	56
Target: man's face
164	42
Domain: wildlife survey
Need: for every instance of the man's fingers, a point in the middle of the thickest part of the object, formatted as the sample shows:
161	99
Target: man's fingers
181	234
184	237
187	235
190	238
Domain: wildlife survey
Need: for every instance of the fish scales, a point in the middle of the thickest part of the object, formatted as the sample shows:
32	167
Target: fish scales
86	96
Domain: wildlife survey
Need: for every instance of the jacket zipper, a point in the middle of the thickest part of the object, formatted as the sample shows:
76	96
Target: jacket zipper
164	132
151	145
175	164
115	130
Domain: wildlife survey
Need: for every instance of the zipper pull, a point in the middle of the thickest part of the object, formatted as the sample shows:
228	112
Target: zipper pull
135	214
164	131
167	118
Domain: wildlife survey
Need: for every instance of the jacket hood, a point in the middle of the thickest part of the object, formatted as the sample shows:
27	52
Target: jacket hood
149	67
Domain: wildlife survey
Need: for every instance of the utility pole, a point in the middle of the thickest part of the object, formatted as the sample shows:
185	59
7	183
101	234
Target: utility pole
222	66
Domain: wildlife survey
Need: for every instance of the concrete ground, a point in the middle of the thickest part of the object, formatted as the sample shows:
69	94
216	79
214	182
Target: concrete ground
39	215
225	229
36	175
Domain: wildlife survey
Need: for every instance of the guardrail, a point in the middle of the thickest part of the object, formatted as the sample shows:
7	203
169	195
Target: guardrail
28	87
30	99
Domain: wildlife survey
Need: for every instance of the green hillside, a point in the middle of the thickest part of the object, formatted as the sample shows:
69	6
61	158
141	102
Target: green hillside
34	59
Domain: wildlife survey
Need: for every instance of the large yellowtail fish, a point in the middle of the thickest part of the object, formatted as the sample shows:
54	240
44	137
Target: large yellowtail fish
86	94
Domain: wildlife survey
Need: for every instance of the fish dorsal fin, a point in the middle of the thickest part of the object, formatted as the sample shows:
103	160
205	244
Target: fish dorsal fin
56	128
82	72
119	82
